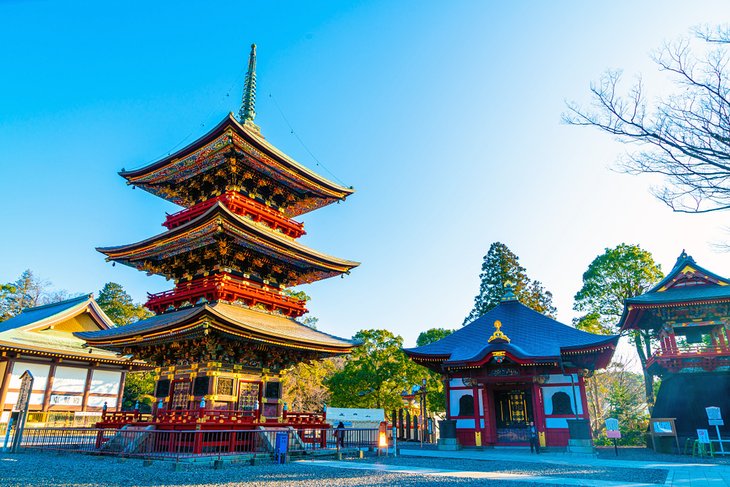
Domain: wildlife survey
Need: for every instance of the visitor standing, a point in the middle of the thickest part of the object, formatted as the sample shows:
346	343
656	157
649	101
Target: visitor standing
534	441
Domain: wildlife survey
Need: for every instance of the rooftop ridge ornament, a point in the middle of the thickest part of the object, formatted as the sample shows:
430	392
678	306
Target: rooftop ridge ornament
498	336
247	113
509	294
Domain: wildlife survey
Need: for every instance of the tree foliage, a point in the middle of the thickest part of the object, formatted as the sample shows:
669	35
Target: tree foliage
499	266
683	137
614	276
139	386
27	291
375	374
617	393
118	305
303	384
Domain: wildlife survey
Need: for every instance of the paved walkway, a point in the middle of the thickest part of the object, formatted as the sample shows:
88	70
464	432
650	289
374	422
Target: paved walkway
680	474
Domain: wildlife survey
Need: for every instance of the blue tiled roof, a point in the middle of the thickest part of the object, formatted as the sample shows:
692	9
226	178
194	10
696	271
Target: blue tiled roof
686	294
32	315
532	336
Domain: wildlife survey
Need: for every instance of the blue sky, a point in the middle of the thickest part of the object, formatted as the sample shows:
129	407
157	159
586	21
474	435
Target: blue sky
444	116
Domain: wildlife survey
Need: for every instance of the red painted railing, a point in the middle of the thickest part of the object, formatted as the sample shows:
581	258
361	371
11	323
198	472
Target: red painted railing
224	286
239	205
702	356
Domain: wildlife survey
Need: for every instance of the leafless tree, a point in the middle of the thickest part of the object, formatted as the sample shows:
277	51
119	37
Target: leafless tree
684	137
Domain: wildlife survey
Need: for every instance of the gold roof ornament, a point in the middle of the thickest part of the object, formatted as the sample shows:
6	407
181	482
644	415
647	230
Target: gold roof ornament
498	336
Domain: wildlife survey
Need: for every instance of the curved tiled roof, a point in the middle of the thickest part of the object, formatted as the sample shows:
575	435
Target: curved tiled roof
256	325
254	235
532	336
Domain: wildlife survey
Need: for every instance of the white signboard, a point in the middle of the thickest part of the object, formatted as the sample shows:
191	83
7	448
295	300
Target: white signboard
714	416
703	436
65	400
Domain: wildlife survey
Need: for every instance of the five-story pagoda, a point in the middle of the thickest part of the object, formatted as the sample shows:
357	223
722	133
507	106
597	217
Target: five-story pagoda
222	335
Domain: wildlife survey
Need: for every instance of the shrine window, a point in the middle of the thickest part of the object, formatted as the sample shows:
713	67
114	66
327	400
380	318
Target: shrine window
562	404
466	405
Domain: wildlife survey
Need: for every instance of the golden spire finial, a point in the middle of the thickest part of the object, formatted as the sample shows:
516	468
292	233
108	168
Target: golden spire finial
498	335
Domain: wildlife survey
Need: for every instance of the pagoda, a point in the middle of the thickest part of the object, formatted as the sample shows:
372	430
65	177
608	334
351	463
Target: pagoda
512	367
687	315
221	337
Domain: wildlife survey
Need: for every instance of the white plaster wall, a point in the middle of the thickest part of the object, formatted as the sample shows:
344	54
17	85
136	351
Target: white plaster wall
556	423
547	394
39	372
105	382
454	396
98	401
36	398
465	423
561	379
69	379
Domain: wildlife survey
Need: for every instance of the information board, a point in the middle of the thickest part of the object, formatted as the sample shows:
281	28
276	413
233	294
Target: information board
714	416
26	388
703	436
612	430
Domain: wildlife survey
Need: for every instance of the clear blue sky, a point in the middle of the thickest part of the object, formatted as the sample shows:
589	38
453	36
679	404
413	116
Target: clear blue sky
445	117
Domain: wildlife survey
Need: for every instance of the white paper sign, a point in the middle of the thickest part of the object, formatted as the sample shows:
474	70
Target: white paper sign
703	436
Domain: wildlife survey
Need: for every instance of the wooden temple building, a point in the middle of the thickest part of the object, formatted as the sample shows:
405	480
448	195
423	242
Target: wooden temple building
511	367
71	379
688	315
225	331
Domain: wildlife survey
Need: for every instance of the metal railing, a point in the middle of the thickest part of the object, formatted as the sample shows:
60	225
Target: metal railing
174	445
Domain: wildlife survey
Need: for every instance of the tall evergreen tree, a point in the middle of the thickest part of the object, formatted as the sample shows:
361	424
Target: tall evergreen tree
501	265
118	305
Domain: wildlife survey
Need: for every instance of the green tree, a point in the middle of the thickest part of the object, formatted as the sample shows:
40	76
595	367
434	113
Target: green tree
500	265
139	386
303	384
682	137
617	393
375	373
436	396
118	305
614	276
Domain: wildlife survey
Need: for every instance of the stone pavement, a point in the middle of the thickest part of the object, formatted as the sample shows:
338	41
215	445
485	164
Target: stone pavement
680	474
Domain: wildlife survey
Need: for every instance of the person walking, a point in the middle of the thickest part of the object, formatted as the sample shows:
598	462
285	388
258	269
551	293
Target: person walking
534	441
340	435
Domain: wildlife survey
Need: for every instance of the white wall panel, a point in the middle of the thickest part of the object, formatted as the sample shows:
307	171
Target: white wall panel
105	382
39	372
98	401
69	379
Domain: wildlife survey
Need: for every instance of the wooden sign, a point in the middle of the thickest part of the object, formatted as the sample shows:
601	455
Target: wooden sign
662	427
26	388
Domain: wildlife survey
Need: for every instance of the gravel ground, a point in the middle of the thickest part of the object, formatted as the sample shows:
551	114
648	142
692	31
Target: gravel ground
48	469
653	476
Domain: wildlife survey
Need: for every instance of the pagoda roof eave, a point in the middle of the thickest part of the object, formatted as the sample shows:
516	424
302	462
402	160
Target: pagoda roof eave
315	183
226	318
126	253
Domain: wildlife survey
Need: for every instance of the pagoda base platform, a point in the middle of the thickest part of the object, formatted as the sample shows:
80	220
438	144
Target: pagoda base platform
202	432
